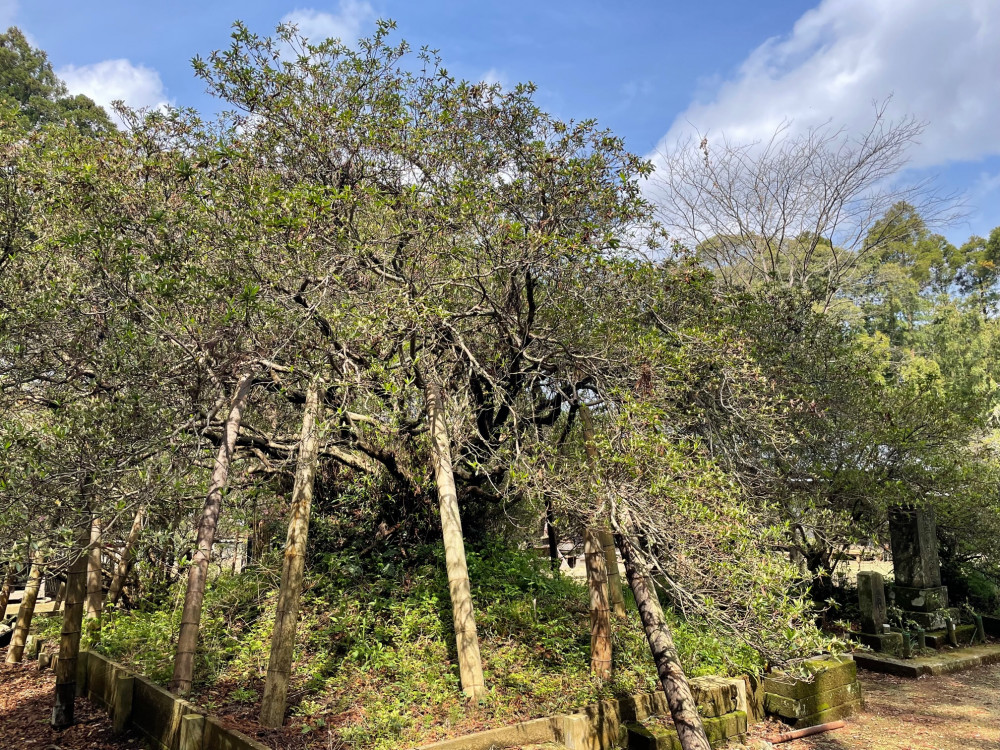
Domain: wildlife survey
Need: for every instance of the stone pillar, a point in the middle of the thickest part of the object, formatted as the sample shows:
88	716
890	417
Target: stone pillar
913	536
871	600
875	614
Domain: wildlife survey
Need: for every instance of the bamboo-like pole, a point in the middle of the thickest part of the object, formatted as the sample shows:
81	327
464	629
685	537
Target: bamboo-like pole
279	665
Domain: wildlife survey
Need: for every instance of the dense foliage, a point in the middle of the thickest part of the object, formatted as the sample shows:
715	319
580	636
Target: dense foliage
360	218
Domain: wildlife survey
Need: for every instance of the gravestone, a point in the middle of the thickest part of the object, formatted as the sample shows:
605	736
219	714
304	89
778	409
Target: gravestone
871	599
874	614
918	590
913	536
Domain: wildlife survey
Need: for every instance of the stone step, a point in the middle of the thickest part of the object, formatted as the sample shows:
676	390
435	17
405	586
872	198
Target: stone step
939	638
941	662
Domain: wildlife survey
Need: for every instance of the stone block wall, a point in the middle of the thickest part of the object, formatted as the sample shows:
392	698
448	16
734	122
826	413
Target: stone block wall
829	691
722	704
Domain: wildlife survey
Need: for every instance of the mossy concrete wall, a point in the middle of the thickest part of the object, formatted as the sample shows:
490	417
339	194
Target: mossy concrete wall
724	704
822	690
719	729
164	720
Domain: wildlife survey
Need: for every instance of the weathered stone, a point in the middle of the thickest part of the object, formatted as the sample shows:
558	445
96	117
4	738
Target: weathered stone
789	708
720	729
218	737
884	643
121	702
599	726
578	734
157	714
641	738
536	731
715	696
942	662
921	600
192	732
871	599
825	673
643	706
939	638
33	646
932	620
913	537
754	700
831	714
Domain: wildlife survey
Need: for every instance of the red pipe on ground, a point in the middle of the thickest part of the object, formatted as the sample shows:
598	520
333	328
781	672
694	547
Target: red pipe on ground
777	739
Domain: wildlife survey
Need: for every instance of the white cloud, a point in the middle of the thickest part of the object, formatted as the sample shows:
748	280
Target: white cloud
940	61
492	76
110	80
346	24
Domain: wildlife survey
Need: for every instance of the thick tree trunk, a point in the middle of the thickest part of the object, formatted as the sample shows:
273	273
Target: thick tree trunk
279	665
683	709
606	538
15	650
69	641
95	585
470	662
187	640
5	589
127	559
600	620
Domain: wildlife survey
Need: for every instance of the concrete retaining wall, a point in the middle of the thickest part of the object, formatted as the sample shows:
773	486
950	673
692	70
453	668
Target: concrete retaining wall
611	724
164	720
171	723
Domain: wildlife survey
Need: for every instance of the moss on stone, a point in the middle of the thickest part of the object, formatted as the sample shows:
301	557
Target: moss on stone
790	708
825	673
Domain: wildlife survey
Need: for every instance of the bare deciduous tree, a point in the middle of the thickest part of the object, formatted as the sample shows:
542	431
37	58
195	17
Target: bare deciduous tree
798	208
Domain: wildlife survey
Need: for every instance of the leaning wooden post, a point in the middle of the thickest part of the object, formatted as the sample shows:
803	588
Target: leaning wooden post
187	639
680	701
602	571
606	537
127	559
279	665
69	640
95	583
15	650
470	662
600	620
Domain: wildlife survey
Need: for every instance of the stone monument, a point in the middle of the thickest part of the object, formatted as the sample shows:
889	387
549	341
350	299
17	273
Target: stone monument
919	593
874	614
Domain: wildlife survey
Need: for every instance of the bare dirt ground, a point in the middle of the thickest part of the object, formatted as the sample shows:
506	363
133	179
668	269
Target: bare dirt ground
950	712
26	706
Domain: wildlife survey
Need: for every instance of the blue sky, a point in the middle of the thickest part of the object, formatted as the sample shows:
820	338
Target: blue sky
652	71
